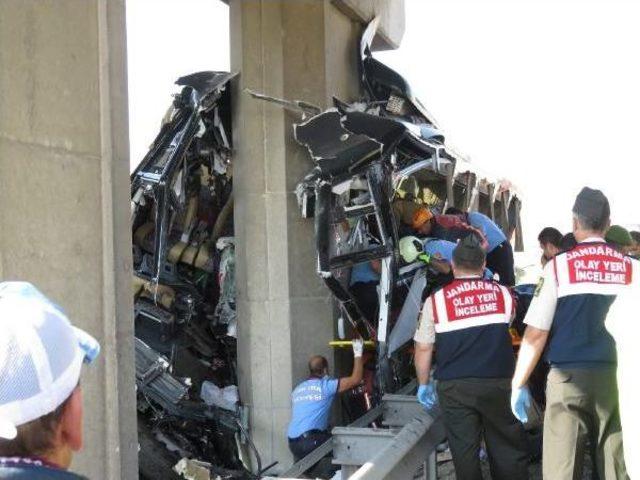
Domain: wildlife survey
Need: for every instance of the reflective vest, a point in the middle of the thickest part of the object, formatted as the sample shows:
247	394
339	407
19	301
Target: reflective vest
471	319
588	278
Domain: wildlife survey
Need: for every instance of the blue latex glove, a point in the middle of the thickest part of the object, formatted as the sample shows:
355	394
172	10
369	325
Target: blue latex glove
427	395
520	403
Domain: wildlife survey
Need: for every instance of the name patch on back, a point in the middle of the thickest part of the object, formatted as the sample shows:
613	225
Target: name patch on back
598	264
473	299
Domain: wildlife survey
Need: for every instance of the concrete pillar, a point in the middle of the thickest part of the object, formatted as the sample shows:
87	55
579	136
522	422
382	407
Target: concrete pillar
64	195
302	50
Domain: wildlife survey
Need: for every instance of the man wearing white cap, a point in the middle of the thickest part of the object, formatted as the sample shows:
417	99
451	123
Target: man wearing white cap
41	355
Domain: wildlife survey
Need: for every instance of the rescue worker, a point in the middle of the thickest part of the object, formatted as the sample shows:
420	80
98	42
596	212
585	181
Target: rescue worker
41	357
363	284
499	250
550	240
623	325
635	252
403	211
437	254
568	242
620	238
466	323
311	402
444	227
567	318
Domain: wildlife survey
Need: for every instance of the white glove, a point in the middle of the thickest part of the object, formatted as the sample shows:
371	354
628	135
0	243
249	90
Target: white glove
358	346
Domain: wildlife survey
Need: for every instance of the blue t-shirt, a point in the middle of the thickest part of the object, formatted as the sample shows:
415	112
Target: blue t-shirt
493	232
364	273
311	405
445	250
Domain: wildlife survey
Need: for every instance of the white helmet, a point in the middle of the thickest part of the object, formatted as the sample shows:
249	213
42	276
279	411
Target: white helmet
410	248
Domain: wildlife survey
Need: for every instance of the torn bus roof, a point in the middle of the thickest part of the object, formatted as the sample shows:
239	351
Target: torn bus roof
333	147
345	143
382	83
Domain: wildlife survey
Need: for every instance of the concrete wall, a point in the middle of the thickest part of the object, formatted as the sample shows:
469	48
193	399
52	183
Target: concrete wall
64	195
305	50
390	13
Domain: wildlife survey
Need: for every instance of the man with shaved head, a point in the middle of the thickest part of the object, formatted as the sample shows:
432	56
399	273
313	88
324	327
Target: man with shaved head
318	365
311	402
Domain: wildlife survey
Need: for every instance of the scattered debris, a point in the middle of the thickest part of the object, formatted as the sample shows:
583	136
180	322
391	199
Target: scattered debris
226	397
193	470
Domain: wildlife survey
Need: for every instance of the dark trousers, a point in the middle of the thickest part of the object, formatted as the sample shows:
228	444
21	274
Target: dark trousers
582	407
366	295
500	261
302	446
474	408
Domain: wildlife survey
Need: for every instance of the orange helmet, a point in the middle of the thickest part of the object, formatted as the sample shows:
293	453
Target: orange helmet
421	216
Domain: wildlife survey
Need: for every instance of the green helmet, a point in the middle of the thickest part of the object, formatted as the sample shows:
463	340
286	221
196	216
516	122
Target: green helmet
410	248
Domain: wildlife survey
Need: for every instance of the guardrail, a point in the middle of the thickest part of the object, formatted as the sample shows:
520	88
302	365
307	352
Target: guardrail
404	454
304	464
397	452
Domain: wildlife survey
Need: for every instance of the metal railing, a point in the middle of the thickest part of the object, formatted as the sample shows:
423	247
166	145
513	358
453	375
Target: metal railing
399	451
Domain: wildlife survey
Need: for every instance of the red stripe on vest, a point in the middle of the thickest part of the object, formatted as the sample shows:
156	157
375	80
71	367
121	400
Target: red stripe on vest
434	309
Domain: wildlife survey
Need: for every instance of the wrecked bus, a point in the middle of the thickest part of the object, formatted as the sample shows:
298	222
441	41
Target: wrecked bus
184	288
366	155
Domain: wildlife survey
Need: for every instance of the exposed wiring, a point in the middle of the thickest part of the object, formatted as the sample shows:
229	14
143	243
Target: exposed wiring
253	447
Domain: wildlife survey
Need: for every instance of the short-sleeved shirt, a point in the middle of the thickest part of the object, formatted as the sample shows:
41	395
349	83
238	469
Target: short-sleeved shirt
572	302
364	273
443	249
494	234
311	405
454	228
543	305
622	324
426	331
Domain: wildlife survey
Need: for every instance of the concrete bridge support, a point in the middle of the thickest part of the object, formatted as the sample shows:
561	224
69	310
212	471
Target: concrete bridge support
64	195
64	191
299	50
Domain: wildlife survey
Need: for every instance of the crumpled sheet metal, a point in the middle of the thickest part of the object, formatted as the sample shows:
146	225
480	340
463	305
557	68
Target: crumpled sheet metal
405	326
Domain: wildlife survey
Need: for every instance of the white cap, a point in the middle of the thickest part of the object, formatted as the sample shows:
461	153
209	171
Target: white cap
41	355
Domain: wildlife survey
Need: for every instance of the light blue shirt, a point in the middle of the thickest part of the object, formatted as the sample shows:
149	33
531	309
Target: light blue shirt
445	250
493	232
363	272
311	405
